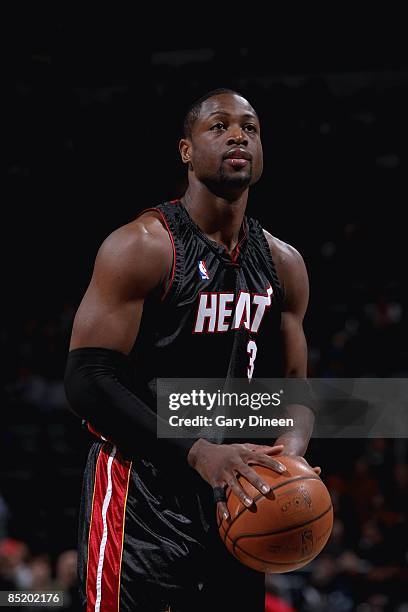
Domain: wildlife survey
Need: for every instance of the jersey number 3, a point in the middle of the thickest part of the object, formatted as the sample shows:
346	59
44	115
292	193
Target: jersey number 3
251	350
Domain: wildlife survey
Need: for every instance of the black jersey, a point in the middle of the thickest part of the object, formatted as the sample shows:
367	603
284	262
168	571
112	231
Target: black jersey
146	530
220	314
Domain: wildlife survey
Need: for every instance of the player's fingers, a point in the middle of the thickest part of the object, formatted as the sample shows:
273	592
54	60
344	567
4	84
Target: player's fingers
261	448
239	491
223	510
266	461
317	470
272	450
255	480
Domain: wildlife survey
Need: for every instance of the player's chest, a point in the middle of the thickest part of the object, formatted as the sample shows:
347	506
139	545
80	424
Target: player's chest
222	298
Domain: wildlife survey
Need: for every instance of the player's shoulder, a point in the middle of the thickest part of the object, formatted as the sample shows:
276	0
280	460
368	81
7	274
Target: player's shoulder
284	255
292	272
144	237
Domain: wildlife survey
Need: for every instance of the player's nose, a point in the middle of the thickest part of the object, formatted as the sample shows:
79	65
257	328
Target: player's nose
237	136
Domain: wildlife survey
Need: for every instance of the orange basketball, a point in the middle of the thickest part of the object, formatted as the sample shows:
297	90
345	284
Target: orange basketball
285	529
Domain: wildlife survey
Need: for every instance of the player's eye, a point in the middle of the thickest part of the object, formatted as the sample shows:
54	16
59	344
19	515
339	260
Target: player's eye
218	126
250	127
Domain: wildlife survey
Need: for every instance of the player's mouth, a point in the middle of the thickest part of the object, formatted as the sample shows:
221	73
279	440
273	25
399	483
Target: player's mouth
237	158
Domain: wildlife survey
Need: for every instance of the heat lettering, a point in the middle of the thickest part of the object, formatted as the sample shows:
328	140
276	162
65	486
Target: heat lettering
215	310
224	313
206	312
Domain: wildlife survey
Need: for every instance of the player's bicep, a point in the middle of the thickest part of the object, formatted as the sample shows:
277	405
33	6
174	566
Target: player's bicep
106	322
125	272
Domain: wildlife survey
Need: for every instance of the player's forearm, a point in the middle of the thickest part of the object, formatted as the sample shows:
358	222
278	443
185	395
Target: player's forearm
100	388
296	440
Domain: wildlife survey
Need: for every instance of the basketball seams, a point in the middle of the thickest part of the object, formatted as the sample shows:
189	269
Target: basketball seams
278	531
261	495
269	561
268	533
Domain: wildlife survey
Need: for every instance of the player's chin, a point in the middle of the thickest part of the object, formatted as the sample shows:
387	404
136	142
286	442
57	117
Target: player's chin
240	178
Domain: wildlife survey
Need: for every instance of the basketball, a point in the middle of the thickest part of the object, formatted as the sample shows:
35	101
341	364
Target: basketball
285	529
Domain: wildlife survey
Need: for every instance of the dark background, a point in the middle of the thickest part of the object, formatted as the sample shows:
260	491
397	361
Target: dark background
92	121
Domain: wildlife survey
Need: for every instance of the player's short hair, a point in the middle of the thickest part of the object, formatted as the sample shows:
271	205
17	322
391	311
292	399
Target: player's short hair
195	108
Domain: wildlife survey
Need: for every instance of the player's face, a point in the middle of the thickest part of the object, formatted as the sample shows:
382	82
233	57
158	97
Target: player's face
225	146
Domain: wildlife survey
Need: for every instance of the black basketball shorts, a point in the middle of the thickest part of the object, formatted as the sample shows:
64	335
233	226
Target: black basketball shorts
148	542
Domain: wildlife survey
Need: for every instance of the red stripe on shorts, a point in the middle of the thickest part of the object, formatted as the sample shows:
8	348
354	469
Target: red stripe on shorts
106	531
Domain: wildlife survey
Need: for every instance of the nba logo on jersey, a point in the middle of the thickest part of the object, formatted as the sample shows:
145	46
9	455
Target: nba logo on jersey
202	269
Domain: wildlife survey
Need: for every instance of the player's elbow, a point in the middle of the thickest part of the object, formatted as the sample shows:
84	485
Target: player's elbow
73	387
79	390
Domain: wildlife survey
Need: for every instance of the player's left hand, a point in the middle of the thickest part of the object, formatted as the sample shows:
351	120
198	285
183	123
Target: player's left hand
263	448
317	470
279	450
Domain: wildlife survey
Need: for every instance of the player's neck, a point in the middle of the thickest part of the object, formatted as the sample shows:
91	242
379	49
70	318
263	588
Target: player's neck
218	218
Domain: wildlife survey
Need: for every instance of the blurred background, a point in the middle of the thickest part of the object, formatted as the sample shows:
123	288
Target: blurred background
92	123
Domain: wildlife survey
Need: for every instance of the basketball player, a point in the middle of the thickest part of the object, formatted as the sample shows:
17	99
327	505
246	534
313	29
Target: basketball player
164	301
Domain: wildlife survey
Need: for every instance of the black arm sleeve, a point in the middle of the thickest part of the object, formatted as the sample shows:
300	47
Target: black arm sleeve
300	391
100	388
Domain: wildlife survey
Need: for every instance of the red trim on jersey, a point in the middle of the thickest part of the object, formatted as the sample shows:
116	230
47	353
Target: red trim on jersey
236	250
106	530
173	267
97	433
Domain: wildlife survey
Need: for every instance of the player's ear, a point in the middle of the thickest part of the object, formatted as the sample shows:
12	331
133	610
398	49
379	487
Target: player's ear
185	150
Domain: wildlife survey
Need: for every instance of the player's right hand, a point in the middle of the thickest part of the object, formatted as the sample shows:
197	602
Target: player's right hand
221	464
